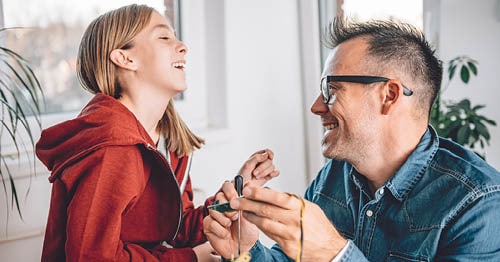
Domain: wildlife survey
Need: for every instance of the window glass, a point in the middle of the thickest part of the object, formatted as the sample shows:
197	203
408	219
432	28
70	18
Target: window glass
409	11
48	37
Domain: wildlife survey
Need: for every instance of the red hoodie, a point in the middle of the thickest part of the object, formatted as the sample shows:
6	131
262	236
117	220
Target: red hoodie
114	196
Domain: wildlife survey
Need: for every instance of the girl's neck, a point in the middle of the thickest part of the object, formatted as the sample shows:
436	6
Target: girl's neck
147	111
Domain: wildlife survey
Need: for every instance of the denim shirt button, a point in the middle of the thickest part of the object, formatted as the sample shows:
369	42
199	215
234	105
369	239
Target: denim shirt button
381	191
369	213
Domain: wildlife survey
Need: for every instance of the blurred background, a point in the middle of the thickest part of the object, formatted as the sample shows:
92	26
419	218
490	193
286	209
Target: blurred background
253	70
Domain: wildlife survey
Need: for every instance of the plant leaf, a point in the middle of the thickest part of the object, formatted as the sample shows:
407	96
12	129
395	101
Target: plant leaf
464	74
488	121
475	108
463	135
451	71
27	79
483	131
464	104
475	136
14	197
491	122
472	67
20	96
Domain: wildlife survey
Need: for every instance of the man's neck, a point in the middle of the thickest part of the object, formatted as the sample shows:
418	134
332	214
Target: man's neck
385	160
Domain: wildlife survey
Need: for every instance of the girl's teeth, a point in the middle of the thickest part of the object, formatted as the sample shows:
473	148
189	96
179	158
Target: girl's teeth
179	65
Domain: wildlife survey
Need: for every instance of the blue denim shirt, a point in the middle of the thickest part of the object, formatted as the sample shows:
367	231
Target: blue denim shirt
443	204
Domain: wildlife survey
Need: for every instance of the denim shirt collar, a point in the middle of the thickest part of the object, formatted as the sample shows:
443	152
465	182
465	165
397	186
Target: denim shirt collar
415	166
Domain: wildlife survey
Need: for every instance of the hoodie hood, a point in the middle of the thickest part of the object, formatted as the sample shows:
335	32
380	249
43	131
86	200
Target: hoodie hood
104	121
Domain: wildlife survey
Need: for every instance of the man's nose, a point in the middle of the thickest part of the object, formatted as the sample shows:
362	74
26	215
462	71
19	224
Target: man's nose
318	107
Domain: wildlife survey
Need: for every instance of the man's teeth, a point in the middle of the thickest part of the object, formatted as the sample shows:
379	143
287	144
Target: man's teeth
331	126
179	65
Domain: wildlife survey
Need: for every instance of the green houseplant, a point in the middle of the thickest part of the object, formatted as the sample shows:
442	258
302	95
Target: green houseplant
21	96
460	121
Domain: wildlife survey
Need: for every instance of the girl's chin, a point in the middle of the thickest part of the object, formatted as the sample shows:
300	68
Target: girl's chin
178	90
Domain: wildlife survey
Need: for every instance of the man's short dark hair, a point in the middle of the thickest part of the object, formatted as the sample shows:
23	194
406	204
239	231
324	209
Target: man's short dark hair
395	44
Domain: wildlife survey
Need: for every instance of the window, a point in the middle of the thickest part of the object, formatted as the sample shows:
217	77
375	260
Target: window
409	11
48	37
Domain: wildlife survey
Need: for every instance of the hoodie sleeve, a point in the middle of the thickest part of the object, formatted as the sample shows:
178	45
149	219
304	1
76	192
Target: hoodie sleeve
106	185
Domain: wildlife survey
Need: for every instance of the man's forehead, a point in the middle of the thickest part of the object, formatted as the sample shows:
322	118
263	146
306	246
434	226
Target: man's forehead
345	58
329	63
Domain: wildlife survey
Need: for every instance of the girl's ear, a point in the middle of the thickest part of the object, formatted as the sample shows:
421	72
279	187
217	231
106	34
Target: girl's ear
121	59
392	92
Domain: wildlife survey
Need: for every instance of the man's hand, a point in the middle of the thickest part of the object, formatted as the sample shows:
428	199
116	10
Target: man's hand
221	229
277	215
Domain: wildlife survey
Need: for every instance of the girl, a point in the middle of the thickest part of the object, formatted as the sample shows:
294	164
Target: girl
115	197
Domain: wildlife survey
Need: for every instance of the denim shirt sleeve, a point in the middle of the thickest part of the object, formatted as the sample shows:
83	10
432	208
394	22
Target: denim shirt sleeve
473	236
261	253
351	253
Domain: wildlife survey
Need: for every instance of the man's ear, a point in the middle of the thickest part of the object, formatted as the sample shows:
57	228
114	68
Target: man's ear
392	92
122	59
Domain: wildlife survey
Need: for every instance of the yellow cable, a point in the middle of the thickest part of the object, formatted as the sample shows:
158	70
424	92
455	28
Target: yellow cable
301	241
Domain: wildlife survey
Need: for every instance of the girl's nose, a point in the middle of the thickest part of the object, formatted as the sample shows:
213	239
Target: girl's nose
182	48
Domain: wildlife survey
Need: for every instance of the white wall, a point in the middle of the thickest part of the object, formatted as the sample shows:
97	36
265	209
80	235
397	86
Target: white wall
263	93
473	28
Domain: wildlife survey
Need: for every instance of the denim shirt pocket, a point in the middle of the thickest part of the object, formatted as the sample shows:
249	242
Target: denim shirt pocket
398	256
338	212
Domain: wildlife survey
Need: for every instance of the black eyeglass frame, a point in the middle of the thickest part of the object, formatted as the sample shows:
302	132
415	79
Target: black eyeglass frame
326	88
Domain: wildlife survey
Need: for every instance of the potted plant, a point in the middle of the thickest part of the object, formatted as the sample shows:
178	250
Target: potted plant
20	96
460	121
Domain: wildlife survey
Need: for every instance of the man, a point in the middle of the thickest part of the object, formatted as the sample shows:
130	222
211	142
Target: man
393	189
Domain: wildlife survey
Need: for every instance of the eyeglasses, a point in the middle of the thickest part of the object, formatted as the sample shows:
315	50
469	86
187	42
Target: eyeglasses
326	88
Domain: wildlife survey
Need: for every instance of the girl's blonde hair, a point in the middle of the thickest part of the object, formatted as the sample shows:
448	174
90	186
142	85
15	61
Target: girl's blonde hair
115	30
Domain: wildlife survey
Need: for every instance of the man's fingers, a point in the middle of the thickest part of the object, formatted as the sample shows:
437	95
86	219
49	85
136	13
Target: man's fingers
220	218
215	227
276	230
269	196
228	190
221	197
265	210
